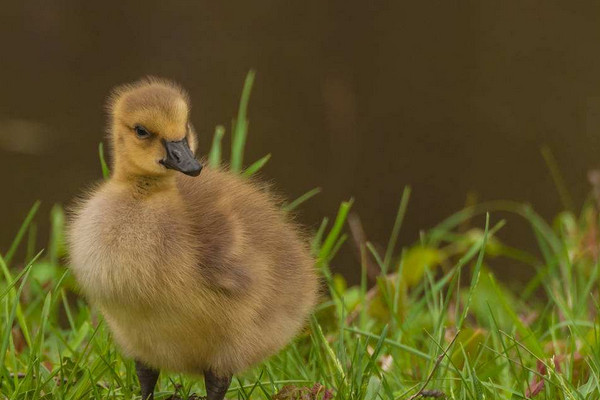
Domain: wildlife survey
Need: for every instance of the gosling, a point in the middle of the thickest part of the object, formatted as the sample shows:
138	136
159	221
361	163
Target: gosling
194	273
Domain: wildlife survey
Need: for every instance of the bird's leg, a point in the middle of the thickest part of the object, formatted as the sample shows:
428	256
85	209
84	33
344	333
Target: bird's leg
216	386
147	377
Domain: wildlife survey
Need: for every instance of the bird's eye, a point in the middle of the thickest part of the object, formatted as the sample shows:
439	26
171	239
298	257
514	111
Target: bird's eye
141	132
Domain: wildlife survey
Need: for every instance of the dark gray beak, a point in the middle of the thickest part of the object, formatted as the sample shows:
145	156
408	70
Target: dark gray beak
180	158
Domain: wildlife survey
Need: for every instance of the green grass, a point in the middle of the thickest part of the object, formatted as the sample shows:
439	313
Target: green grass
427	318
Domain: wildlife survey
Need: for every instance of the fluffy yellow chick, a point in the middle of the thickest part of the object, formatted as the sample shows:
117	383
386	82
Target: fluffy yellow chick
199	273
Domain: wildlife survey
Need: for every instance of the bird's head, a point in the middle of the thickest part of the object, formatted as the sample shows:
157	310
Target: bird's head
150	130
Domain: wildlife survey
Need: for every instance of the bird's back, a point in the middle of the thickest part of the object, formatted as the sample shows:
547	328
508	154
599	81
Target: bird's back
244	239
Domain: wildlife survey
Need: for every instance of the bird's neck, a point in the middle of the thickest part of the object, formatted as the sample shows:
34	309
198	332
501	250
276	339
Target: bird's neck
146	185
139	182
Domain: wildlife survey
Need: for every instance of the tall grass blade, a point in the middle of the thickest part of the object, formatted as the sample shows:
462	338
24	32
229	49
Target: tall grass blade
240	131
214	156
22	230
303	198
558	179
103	165
335	231
389	252
256	166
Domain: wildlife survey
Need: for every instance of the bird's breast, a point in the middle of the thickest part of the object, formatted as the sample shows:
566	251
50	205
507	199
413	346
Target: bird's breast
129	253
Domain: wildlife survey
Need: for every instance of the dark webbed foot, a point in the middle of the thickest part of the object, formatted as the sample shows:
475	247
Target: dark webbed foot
148	377
216	386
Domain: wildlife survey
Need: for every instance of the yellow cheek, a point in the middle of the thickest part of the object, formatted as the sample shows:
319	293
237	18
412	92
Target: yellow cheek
145	154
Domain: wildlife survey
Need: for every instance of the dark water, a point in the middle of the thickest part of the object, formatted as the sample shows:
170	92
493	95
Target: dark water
359	98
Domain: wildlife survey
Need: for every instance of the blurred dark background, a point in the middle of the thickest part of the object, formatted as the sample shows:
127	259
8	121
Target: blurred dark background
359	98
